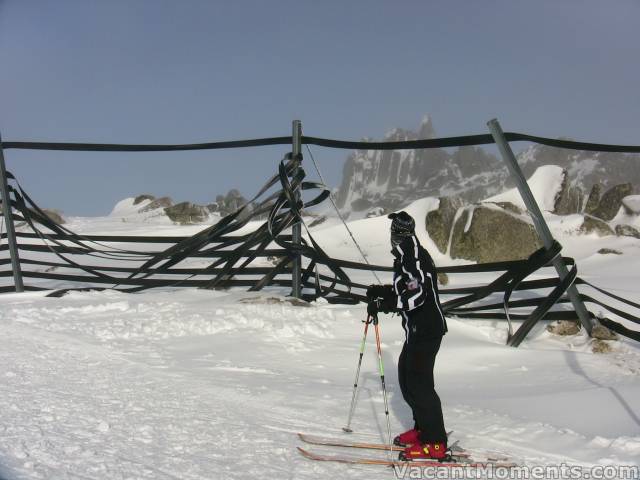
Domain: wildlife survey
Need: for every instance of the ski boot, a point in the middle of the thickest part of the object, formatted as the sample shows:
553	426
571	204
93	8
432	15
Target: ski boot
408	438
426	451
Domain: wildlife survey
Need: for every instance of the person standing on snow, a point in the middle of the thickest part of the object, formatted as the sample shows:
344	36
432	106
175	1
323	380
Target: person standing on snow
414	294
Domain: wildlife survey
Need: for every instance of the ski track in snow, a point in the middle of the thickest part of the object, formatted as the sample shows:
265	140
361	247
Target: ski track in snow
198	385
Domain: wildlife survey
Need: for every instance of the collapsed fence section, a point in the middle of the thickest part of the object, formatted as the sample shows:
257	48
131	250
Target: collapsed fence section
275	254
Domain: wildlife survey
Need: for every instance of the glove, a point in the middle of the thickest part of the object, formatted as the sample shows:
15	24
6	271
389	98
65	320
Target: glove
379	291
388	304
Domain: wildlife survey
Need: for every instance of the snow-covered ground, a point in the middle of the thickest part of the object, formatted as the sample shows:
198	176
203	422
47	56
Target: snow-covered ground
198	384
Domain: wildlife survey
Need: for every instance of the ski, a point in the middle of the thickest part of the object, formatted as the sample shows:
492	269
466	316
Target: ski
339	442
355	460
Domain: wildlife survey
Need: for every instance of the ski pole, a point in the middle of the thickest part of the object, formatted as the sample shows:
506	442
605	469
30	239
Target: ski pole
355	382
384	387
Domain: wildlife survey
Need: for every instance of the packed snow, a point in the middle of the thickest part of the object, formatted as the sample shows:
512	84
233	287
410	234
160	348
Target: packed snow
198	384
545	184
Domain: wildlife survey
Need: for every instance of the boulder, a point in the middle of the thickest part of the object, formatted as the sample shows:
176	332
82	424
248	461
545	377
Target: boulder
486	233
611	201
443	278
54	215
229	203
156	203
564	327
187	213
141	198
439	222
597	226
569	199
594	199
601	332
609	251
317	221
600	346
627	231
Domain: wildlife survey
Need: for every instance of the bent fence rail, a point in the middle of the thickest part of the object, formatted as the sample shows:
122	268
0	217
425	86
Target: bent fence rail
52	257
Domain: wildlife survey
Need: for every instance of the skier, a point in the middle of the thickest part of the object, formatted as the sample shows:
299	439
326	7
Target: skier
414	294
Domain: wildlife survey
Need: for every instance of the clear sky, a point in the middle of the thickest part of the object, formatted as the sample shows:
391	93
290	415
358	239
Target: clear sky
168	71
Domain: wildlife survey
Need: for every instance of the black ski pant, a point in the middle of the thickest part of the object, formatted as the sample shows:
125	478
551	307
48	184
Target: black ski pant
415	375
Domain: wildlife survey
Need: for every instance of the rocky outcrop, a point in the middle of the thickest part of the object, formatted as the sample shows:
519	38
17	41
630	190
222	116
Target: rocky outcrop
601	332
597	226
141	198
594	199
609	251
156	203
485	234
569	199
564	327
54	215
186	213
611	201
229	203
439	222
393	179
627	231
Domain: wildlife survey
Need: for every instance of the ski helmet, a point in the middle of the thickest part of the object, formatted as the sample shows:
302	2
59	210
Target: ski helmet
402	225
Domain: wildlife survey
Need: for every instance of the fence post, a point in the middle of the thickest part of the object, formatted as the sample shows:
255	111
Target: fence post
538	220
296	273
7	211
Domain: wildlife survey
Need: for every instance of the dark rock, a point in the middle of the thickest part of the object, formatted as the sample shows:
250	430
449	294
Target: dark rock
142	198
600	346
597	226
317	221
612	201
603	333
156	203
54	215
627	231
569	199
187	213
493	235
609	251
594	199
564	327
230	202
439	222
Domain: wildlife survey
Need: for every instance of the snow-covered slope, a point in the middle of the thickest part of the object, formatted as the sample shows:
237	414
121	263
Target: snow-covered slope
545	185
196	384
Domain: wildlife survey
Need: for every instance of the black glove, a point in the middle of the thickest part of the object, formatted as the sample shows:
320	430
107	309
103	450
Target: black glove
388	304
379	291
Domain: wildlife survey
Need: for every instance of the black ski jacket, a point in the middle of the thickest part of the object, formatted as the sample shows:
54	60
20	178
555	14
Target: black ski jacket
415	283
